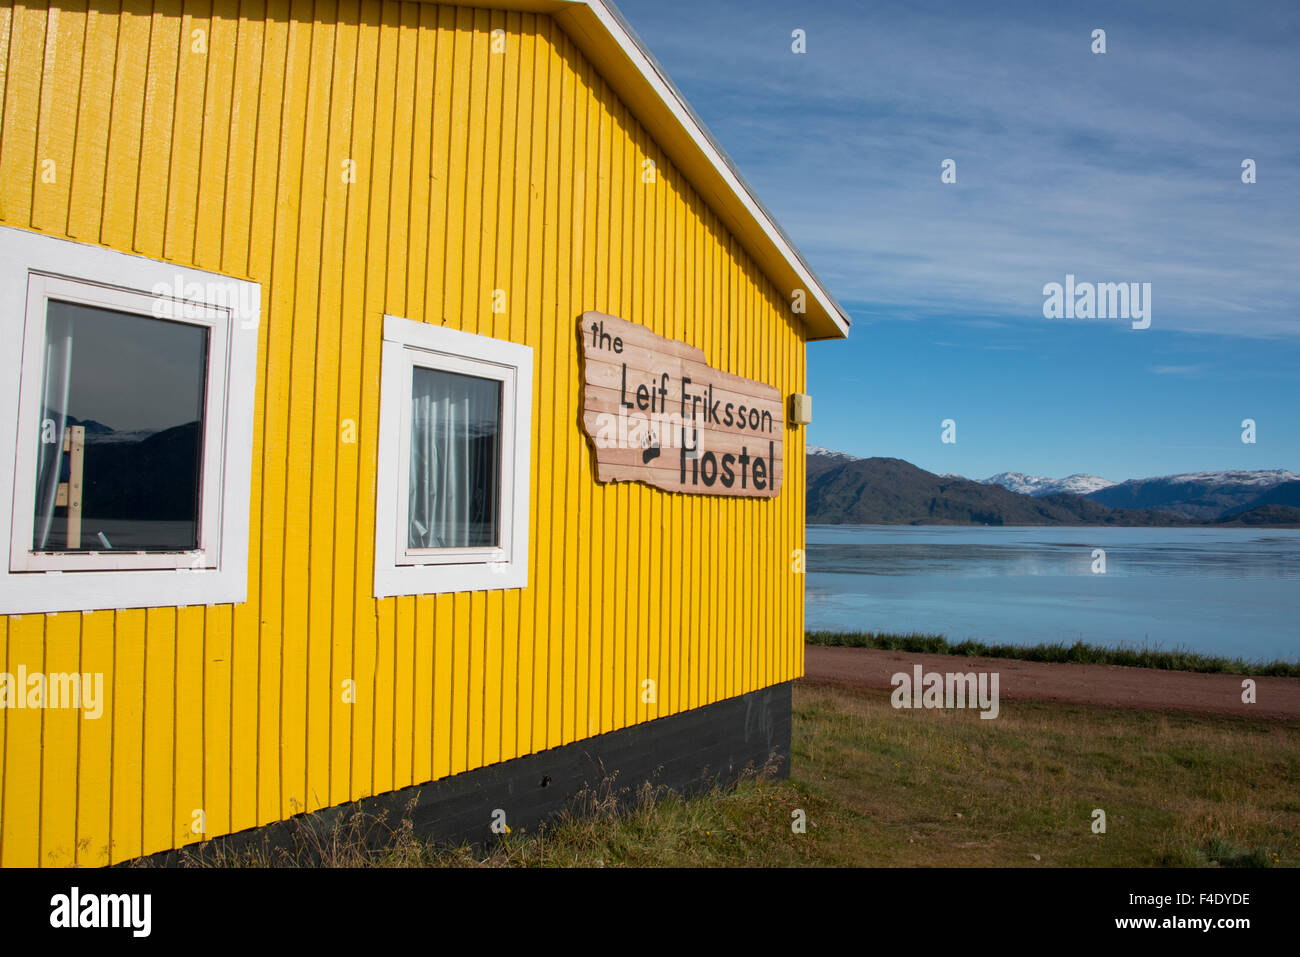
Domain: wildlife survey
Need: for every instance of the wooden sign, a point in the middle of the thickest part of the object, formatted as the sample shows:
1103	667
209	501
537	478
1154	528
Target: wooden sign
657	412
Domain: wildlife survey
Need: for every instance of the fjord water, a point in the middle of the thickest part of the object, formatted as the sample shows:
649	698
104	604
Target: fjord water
1231	591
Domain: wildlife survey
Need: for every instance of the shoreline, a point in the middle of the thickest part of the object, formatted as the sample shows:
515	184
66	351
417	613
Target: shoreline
1207	526
1078	652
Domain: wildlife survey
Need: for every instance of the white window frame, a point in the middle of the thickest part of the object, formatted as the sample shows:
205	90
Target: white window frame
400	570
35	268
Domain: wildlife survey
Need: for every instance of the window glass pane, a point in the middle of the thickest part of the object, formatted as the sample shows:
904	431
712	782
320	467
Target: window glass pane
455	460
121	435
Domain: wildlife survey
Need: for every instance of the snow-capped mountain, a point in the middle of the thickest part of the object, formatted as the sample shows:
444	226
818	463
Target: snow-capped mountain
1038	485
1140	493
112	436
830	453
1263	478
821	460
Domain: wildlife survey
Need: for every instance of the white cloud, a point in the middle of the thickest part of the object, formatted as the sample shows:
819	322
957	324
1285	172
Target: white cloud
1116	168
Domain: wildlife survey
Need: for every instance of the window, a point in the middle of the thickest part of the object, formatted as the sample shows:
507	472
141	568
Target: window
127	411
454	436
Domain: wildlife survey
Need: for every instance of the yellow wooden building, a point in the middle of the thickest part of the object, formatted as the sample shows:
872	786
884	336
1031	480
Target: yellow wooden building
303	507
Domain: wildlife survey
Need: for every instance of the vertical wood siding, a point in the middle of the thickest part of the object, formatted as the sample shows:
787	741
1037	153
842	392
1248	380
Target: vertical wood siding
474	171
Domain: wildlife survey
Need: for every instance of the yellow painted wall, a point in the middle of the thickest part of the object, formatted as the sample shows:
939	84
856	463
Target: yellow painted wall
474	171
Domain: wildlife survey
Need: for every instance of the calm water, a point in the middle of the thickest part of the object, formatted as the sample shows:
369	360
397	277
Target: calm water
1230	592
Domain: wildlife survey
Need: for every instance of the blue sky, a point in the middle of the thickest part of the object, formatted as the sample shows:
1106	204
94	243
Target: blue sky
1115	167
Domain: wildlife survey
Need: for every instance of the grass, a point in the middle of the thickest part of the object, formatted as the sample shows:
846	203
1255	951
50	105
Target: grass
1079	652
882	787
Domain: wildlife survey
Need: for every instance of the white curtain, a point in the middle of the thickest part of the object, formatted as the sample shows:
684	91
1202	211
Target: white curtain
54	408
455	422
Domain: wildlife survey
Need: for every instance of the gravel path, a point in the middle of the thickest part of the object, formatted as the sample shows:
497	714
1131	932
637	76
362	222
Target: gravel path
1081	684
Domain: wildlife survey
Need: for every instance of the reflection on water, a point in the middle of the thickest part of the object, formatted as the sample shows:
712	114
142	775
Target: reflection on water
1220	591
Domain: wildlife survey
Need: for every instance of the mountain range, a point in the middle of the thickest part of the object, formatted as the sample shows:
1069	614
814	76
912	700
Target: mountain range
845	489
1206	496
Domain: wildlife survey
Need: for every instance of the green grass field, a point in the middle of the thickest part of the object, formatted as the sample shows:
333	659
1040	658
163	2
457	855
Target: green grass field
882	787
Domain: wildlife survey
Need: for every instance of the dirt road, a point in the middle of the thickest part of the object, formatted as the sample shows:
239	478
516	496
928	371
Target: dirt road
1112	685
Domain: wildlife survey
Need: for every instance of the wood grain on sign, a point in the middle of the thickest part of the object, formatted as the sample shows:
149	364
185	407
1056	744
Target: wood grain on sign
657	412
